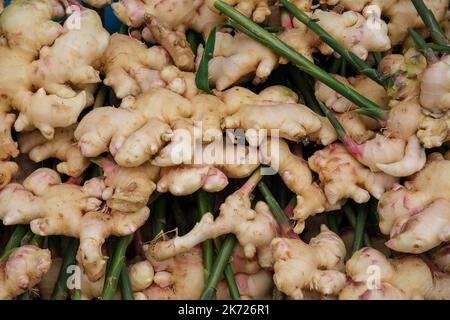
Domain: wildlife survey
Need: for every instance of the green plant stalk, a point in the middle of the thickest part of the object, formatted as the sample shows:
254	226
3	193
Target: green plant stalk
307	92
278	213
351	217
14	241
125	285
358	236
218	268
60	290
115	268
332	222
336	65
37	241
159	217
378	57
423	46
231	282
357	63
27	238
430	21
207	246
251	29
191	38
438	47
123	29
101	96
343	69
76	295
202	76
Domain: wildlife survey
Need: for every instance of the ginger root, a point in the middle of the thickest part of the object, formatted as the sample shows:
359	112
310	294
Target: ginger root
257	10
416	215
254	230
318	265
178	278
128	189
23	270
238	59
344	177
435	87
257	286
63	147
373	277
187	179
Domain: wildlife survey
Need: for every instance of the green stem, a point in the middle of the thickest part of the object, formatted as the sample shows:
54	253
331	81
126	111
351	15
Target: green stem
438	47
60	290
251	29
202	76
76	295
159	217
125	285
123	29
202	204
191	38
334	69
358	237
37	241
307	92
343	68
378	57
423	46
101	96
351	217
27	238
252	182
218	268
115	268
332	222
14	241
357	63
231	282
430	21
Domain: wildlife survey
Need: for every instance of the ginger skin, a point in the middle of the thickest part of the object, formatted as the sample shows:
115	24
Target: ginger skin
319	264
23	270
238	59
257	10
416	215
55	208
435	87
128	189
335	165
257	286
406	277
62	147
401	13
178	278
254	230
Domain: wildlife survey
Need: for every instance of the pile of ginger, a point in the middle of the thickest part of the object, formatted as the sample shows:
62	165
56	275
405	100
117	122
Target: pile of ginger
106	135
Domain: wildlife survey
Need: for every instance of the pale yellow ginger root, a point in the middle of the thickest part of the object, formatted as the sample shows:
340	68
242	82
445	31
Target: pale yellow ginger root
435	87
362	84
128	189
62	147
375	277
257	286
32	21
344	177
303	40
23	270
416	215
358	33
441	257
141	275
187	179
179	81
254	230
134	121
407	70
359	127
258	10
401	13
318	264
166	23
74	56
412	162
7	171
297	176
51	207
130	67
434	132
404	119
240	264
177	278
238	59
294	121
8	147
96	227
